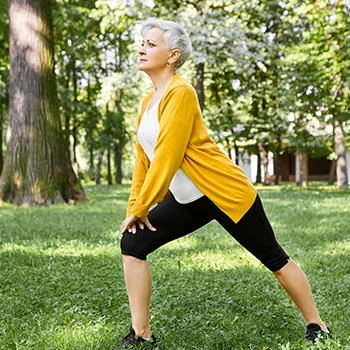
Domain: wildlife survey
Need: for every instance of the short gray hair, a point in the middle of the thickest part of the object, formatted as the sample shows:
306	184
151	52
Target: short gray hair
175	37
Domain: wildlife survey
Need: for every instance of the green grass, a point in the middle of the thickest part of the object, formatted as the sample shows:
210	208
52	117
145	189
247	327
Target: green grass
62	287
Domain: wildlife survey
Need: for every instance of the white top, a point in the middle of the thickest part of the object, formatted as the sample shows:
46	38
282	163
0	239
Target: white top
183	189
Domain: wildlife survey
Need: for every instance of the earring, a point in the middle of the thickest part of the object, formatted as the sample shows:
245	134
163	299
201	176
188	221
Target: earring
168	64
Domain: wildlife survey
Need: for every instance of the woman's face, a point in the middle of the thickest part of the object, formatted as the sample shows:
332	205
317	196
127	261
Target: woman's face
153	52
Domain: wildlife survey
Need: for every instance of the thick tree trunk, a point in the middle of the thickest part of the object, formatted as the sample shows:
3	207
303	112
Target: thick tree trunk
37	169
264	163
304	169
340	150
118	156
2	112
99	166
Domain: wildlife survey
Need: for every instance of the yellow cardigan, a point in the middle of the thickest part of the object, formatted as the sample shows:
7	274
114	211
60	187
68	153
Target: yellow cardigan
183	141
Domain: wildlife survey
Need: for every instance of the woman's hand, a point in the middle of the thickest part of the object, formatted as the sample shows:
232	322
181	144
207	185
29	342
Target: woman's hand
129	224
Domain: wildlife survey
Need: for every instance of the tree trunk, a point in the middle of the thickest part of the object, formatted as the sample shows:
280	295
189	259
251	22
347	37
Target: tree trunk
258	169
199	84
264	163
2	112
237	154
66	112
228	148
91	161
99	166
332	172
339	145
277	163
199	80
119	138
304	168
75	123
37	169
118	155
109	171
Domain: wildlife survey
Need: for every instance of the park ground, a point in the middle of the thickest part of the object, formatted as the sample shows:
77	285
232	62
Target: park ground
62	287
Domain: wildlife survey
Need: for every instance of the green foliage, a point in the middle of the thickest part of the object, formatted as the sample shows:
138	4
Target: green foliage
275	73
62	284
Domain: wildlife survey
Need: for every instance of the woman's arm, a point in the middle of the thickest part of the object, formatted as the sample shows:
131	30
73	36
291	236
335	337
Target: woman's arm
140	170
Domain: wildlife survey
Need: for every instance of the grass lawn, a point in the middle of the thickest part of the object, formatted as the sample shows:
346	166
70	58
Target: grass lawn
62	287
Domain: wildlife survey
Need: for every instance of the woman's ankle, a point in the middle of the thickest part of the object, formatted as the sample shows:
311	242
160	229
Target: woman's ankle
143	332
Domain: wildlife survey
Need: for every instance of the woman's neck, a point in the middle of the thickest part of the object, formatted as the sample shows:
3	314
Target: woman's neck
161	81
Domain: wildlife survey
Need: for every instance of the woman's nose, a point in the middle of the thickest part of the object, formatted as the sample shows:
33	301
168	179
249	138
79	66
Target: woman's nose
141	51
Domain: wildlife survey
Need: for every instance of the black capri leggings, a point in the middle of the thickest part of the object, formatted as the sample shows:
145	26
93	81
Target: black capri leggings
174	220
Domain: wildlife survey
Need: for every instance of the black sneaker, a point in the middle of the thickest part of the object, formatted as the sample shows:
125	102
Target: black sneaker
314	332
132	340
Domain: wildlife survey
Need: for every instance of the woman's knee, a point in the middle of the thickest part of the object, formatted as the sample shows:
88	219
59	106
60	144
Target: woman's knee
130	245
129	259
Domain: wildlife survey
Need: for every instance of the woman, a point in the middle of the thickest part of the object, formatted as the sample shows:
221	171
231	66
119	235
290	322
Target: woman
175	152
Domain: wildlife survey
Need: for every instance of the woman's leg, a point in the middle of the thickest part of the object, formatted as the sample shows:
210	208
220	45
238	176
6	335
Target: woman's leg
294	281
138	282
255	233
171	220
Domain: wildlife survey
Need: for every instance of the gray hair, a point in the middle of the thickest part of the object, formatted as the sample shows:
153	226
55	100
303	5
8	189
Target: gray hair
175	37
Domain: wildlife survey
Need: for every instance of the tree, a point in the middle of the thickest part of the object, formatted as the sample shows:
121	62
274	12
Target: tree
4	74
320	74
37	169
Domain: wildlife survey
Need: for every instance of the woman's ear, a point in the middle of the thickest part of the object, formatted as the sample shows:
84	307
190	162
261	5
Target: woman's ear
174	55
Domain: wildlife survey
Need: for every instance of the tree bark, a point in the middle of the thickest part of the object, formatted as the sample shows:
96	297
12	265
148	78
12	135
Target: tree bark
109	171
340	150
199	84
91	161
277	163
228	148
2	112
75	122
304	169
264	163
237	154
118	156
37	169
332	172
99	166
258	169
199	80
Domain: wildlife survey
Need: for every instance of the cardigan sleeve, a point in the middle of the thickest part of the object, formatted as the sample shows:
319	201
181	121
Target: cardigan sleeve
140	167
138	177
176	114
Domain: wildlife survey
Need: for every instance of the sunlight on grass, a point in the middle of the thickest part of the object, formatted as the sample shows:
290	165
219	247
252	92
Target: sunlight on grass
74	248
338	249
226	254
